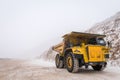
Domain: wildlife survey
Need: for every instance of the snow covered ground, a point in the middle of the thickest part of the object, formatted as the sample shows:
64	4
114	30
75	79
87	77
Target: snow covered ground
11	69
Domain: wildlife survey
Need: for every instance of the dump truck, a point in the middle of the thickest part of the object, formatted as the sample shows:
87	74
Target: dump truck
82	49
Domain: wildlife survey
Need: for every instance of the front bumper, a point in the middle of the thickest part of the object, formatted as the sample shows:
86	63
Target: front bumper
97	63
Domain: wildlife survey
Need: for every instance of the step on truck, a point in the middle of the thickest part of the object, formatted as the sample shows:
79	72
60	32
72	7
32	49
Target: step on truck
82	49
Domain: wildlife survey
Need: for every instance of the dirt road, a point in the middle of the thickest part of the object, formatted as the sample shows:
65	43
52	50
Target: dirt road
29	70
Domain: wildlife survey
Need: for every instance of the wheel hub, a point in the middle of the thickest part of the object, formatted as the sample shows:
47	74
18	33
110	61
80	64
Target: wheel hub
69	62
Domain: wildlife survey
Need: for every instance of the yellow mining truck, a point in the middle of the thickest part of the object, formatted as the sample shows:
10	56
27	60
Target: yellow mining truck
82	49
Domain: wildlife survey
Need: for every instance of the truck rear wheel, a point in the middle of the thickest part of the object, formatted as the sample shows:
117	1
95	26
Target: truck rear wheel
72	63
98	67
59	63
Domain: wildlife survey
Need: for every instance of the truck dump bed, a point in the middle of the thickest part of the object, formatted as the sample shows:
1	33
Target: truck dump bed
59	47
80	34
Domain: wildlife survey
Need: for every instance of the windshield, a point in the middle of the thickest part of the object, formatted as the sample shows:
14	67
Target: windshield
101	41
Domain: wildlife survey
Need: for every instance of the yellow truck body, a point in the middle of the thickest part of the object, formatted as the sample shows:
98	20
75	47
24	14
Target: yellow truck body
83	49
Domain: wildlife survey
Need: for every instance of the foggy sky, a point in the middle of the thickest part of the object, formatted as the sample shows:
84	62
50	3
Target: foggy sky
29	27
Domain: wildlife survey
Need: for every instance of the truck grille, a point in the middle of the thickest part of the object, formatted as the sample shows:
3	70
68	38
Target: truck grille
95	53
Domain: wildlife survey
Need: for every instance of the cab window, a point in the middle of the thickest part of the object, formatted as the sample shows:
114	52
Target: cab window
92	41
101	41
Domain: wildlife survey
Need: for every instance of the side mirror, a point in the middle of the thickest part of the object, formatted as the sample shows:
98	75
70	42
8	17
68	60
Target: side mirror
109	44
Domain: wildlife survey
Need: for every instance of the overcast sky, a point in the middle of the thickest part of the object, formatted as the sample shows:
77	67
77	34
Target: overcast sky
29	27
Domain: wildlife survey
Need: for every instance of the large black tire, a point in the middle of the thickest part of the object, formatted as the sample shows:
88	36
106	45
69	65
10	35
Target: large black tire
98	67
59	63
73	66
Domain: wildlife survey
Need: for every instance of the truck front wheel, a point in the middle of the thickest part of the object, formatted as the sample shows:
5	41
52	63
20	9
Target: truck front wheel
72	63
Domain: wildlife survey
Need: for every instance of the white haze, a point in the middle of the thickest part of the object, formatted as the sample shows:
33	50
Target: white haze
29	27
